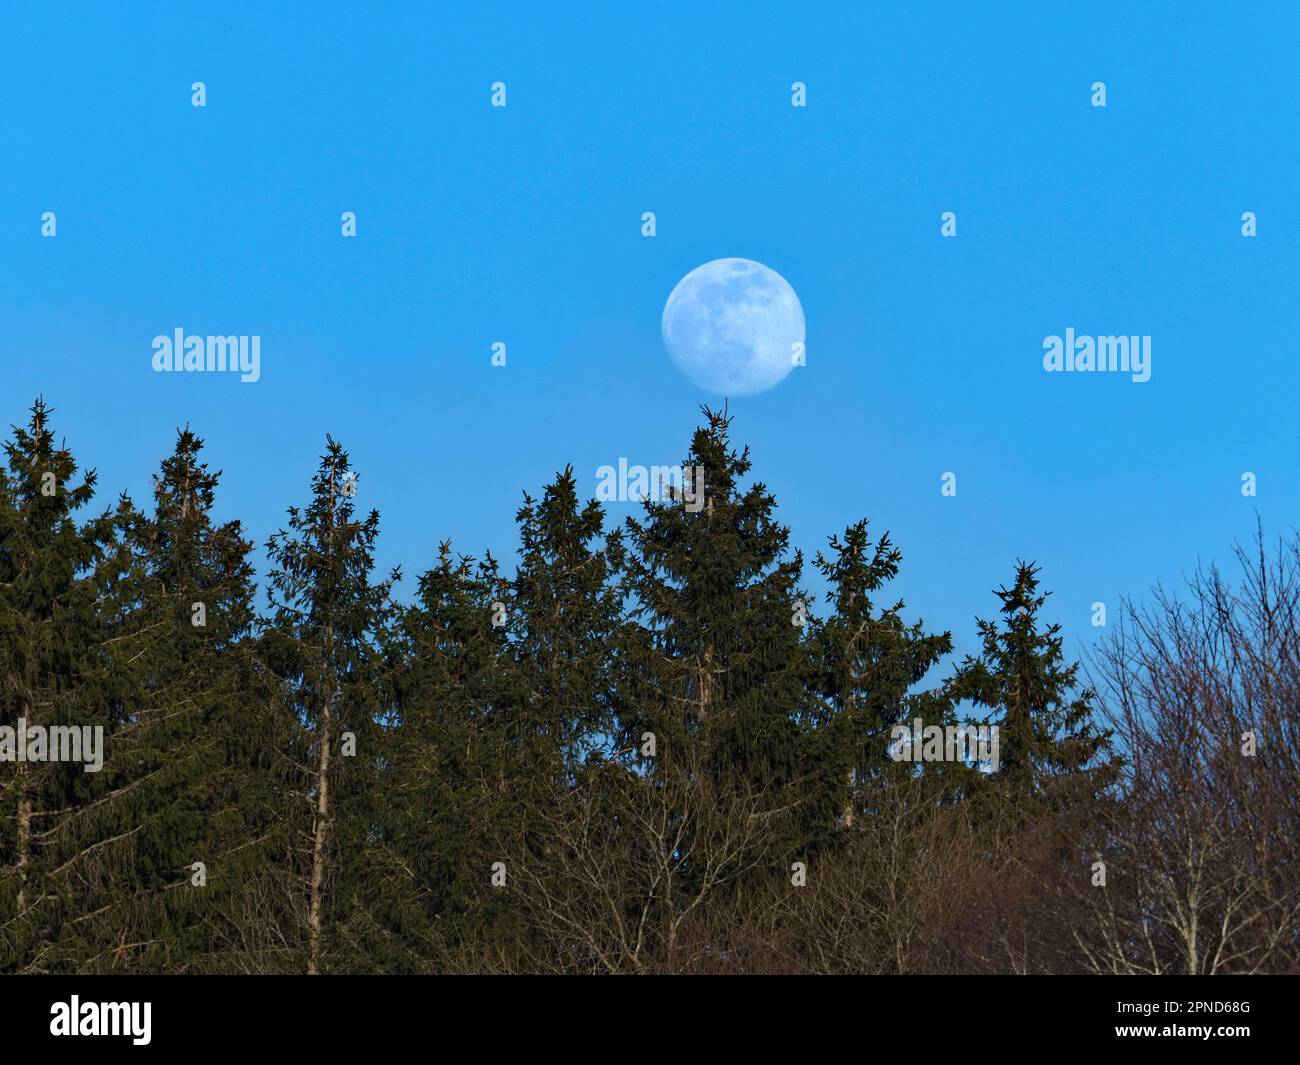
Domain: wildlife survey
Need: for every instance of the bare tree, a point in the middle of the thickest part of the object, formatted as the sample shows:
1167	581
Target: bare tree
612	873
1203	861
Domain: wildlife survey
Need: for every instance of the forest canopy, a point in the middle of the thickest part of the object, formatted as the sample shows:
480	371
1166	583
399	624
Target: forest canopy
644	748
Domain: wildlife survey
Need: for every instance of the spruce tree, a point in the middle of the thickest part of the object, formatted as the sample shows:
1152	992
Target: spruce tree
1050	750
715	658
197	775
868	664
326	642
453	777
564	612
55	657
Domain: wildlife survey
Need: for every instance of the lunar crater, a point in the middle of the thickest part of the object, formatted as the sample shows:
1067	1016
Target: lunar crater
734	327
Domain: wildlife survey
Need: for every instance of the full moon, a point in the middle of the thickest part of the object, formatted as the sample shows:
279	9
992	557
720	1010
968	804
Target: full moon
734	327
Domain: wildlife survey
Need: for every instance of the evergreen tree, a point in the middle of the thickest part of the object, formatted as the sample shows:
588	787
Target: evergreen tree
453	779
1050	749
868	664
197	775
56	576
564	613
715	659
326	642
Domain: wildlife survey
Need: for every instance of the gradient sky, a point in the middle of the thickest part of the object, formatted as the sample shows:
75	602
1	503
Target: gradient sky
523	225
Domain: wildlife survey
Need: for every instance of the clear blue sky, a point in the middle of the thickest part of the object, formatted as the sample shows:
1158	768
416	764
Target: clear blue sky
523	225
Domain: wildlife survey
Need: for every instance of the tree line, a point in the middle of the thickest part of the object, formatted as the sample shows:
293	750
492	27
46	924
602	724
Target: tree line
642	749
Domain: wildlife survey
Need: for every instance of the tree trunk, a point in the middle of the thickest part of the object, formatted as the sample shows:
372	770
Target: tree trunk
319	843
24	841
24	835
321	833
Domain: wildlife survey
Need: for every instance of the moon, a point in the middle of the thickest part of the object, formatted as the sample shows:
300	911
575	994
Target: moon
734	327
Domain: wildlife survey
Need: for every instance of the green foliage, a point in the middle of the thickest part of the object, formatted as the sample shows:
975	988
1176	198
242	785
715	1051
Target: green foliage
868	666
325	641
640	729
1051	751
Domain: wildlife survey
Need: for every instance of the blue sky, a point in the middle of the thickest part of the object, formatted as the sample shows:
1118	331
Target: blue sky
523	225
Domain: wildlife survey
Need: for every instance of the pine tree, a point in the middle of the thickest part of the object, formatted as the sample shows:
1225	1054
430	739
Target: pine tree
55	576
452	781
869	663
197	775
1050	751
326	641
715	659
564	612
